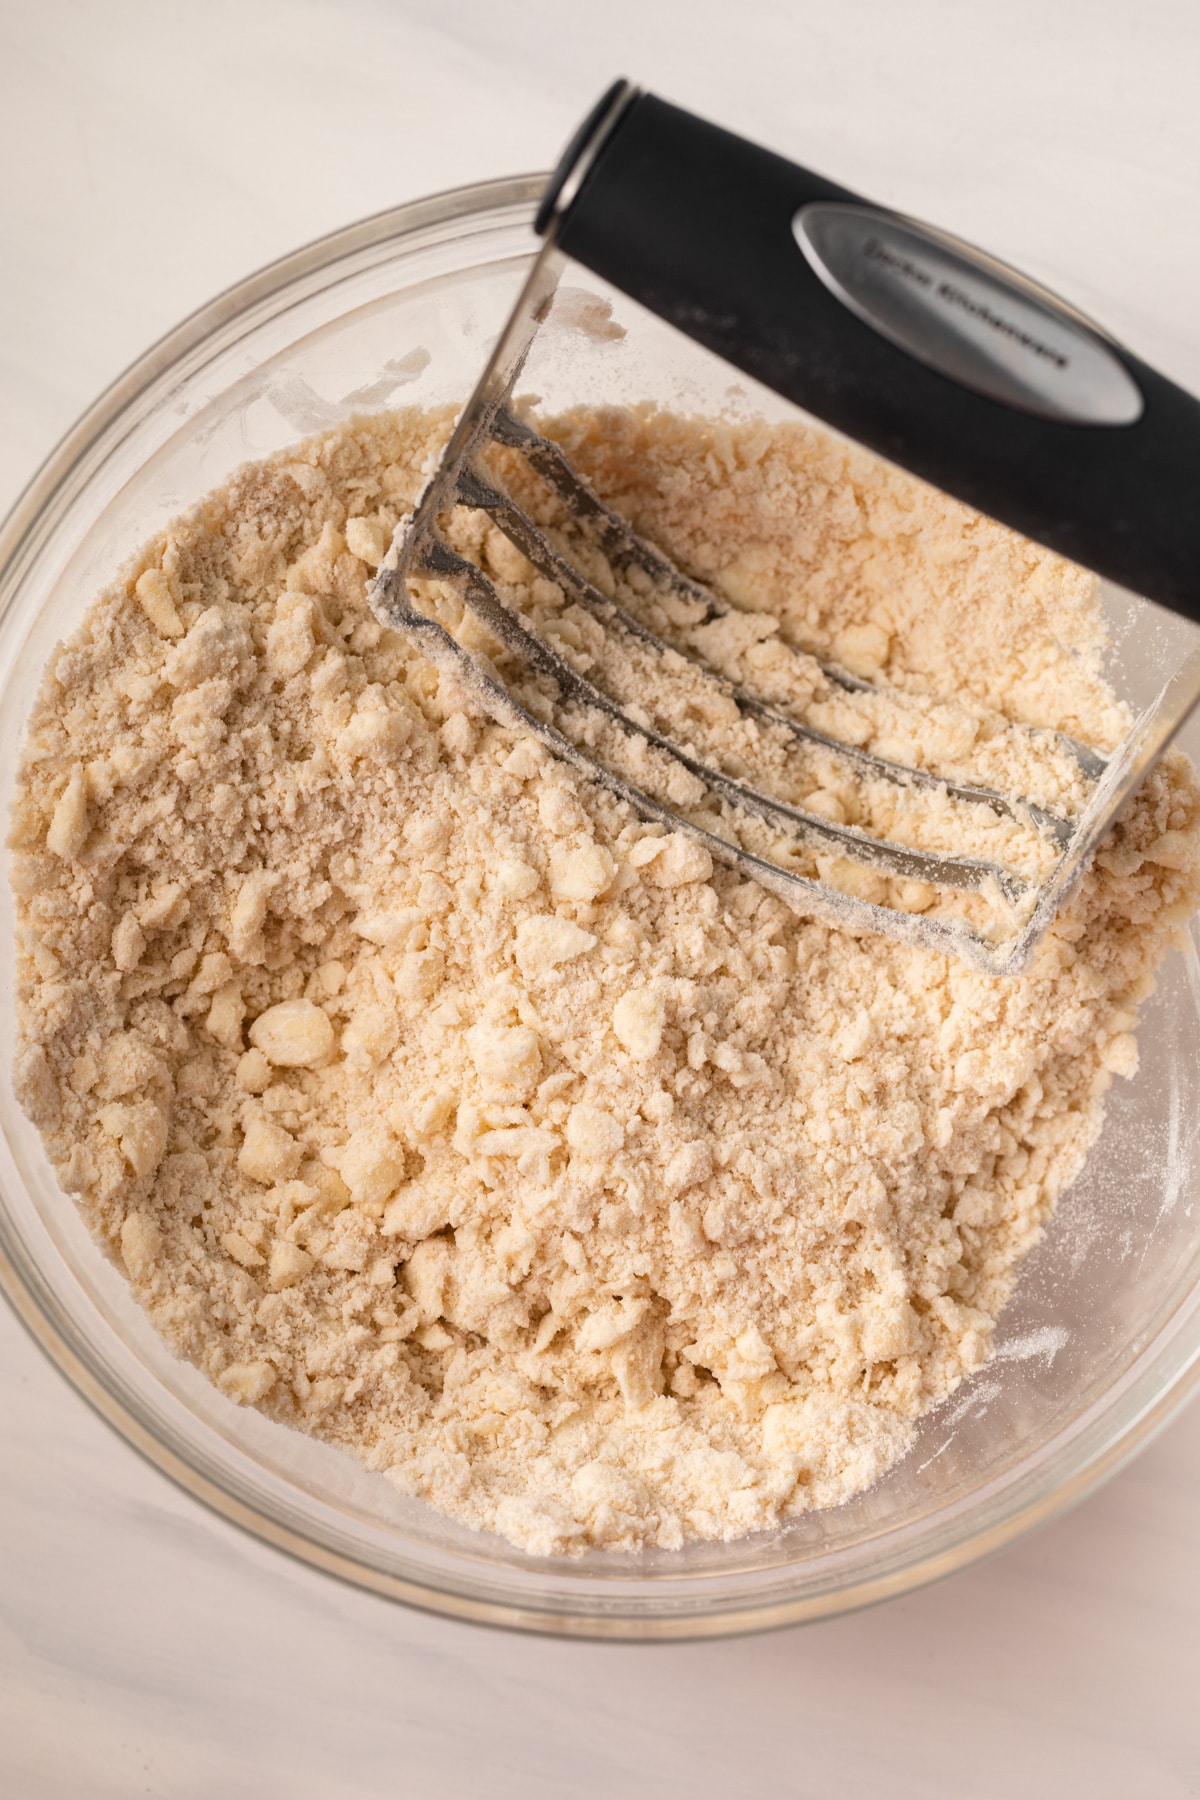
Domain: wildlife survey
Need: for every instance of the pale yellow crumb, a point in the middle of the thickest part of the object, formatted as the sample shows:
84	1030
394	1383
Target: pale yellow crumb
438	1107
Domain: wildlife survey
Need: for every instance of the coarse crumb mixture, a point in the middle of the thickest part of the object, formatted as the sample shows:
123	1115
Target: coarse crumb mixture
438	1107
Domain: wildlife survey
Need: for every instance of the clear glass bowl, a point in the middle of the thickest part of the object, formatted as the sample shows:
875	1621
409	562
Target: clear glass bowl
1100	1344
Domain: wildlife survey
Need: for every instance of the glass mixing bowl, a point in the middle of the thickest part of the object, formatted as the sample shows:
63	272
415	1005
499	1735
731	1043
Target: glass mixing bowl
1097	1349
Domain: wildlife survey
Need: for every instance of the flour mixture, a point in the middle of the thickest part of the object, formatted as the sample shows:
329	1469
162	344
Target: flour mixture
438	1107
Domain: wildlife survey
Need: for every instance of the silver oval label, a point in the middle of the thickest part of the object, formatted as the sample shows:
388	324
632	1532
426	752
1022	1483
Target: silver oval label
970	318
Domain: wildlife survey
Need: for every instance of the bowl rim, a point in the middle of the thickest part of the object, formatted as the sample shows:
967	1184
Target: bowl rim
239	298
32	511
609	1627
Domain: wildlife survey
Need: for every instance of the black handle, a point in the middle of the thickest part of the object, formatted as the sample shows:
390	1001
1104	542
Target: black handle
915	345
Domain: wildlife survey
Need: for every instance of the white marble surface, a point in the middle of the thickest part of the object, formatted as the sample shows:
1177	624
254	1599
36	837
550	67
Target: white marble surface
153	152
